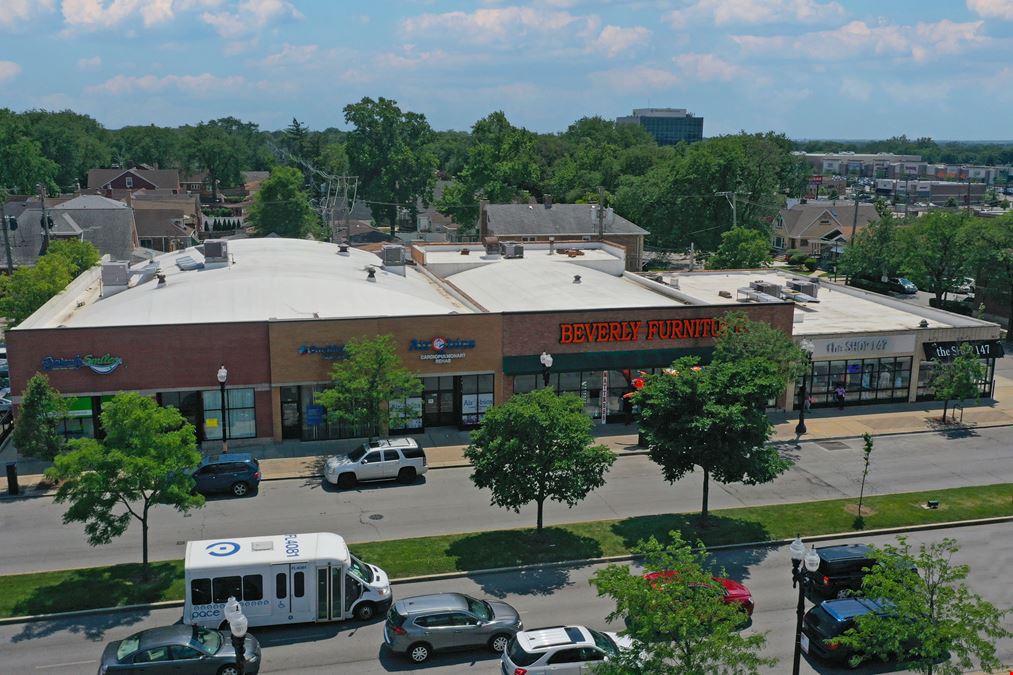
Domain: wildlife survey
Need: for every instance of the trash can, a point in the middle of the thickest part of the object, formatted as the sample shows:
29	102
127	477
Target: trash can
12	479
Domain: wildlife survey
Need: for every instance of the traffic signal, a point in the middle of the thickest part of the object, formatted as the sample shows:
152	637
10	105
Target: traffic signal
12	223
46	222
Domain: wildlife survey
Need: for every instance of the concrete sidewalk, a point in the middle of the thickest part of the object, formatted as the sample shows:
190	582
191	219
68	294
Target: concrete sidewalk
445	446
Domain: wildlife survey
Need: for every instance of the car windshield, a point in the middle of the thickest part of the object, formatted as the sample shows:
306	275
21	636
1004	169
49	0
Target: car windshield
361	569
128	646
480	608
209	641
820	621
357	454
605	643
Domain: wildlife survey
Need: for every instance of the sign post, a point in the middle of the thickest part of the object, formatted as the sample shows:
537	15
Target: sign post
604	396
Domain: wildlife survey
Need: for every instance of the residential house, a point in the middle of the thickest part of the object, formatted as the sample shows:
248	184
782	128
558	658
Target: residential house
118	183
188	205
820	226
541	222
107	223
164	230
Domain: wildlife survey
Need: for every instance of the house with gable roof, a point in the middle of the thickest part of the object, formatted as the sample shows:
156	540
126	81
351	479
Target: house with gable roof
116	183
819	226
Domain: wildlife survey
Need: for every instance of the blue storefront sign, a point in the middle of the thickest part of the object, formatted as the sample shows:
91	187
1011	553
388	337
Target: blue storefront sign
327	352
314	415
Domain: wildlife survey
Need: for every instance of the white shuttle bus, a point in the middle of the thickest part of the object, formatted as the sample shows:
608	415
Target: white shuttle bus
281	579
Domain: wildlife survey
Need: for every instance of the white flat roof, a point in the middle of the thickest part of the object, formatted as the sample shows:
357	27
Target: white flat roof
270	278
841	309
266	550
539	281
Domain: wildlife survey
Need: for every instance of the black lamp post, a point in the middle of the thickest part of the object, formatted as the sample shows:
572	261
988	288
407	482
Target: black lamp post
223	376
237	626
800	576
803	392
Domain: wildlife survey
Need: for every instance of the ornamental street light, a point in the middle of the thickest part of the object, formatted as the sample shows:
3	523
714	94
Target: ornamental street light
808	347
800	576
546	361
223	376
237	626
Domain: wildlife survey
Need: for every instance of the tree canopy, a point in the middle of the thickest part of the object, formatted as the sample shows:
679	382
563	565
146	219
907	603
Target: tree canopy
35	431
281	207
957	378
741	248
536	447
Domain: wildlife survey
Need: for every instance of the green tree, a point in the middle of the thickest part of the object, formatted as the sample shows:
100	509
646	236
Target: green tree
679	623
223	148
744	339
934	618
142	462
81	255
933	250
875	251
281	207
297	139
715	418
958	378
35	431
74	142
866	456
365	384
536	447
22	163
741	248
32	287
389	151
990	242
160	147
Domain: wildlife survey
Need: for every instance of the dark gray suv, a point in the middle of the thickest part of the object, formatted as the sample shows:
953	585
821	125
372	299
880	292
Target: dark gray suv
418	626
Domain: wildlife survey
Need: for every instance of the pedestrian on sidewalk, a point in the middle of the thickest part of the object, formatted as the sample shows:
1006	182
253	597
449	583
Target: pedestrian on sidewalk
839	393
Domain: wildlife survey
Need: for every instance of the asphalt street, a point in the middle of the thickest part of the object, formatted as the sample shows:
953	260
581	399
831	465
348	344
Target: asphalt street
550	596
35	538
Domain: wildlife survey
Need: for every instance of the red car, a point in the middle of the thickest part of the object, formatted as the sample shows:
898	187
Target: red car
735	593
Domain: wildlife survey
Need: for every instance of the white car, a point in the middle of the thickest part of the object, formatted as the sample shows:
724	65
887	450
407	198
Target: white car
401	459
560	650
965	286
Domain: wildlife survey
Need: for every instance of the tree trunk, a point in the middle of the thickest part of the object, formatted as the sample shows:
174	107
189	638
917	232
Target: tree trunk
541	502
946	404
706	496
144	545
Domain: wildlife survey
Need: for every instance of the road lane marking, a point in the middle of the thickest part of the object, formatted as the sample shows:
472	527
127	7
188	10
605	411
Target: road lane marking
65	665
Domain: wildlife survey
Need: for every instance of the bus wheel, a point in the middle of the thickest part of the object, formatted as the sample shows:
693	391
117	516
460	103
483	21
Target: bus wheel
365	611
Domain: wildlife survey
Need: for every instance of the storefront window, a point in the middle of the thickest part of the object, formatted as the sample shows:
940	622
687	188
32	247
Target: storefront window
587	384
476	398
242	417
927	369
864	380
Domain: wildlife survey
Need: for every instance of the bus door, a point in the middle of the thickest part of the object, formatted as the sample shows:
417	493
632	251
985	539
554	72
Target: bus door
290	592
330	590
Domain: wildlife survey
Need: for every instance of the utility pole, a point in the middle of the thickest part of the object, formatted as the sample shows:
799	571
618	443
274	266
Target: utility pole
968	192
692	255
44	221
7	238
601	212
854	220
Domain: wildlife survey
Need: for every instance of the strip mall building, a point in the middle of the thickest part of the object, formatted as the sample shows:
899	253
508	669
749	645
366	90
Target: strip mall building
472	324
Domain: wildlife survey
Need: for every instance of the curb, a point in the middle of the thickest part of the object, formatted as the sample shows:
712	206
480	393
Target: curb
168	604
792	441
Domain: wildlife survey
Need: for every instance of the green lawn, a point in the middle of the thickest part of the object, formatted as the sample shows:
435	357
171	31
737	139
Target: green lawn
46	592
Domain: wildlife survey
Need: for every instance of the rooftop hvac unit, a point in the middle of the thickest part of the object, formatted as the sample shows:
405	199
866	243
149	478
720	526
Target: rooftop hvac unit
512	249
424	222
804	287
216	250
115	274
392	255
491	245
766	287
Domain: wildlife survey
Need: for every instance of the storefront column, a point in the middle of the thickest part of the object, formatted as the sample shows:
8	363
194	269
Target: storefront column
276	419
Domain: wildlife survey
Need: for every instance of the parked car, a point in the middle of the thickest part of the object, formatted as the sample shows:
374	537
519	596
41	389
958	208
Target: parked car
421	625
237	473
734	593
401	459
179	649
830	619
841	569
560	650
901	285
964	286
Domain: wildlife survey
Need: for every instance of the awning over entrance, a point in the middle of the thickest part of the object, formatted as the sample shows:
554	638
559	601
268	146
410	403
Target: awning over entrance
634	358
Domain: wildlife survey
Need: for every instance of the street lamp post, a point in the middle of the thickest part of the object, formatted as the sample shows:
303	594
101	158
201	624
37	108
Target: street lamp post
800	575
803	392
237	626
223	376
546	360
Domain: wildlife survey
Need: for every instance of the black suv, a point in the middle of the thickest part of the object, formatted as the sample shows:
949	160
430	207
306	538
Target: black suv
237	473
841	569
829	620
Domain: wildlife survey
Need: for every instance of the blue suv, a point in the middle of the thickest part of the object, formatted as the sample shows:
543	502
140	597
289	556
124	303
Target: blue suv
237	473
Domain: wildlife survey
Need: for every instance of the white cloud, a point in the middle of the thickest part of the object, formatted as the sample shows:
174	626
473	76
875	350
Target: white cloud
18	11
249	16
992	9
8	70
706	67
921	42
101	14
856	89
614	39
291	55
198	85
723	12
636	79
89	64
504	25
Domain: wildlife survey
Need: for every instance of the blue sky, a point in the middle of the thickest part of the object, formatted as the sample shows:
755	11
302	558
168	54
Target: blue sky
808	68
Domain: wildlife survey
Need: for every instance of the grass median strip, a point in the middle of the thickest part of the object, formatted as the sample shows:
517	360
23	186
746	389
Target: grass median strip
46	592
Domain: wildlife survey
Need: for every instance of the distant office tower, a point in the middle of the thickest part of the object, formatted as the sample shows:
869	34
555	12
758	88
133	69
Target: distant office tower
668	125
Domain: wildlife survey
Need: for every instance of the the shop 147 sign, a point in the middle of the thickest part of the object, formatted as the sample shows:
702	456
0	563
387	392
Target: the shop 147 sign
103	365
439	349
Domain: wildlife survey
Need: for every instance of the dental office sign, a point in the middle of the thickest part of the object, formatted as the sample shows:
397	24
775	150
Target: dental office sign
439	349
103	365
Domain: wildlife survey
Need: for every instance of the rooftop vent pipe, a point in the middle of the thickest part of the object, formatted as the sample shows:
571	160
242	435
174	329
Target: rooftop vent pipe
160	275
371	274
576	278
343	248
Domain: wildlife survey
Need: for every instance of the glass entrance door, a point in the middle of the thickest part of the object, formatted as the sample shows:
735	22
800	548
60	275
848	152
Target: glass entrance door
439	401
291	418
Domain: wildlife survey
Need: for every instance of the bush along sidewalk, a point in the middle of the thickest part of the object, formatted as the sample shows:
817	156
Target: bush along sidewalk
119	585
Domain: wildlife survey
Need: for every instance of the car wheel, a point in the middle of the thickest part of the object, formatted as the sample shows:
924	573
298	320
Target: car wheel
346	480
499	642
406	475
239	488
365	611
419	652
230	669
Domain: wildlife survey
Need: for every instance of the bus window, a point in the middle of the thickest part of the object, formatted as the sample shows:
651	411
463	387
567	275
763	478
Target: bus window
280	585
253	587
200	591
224	587
298	584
